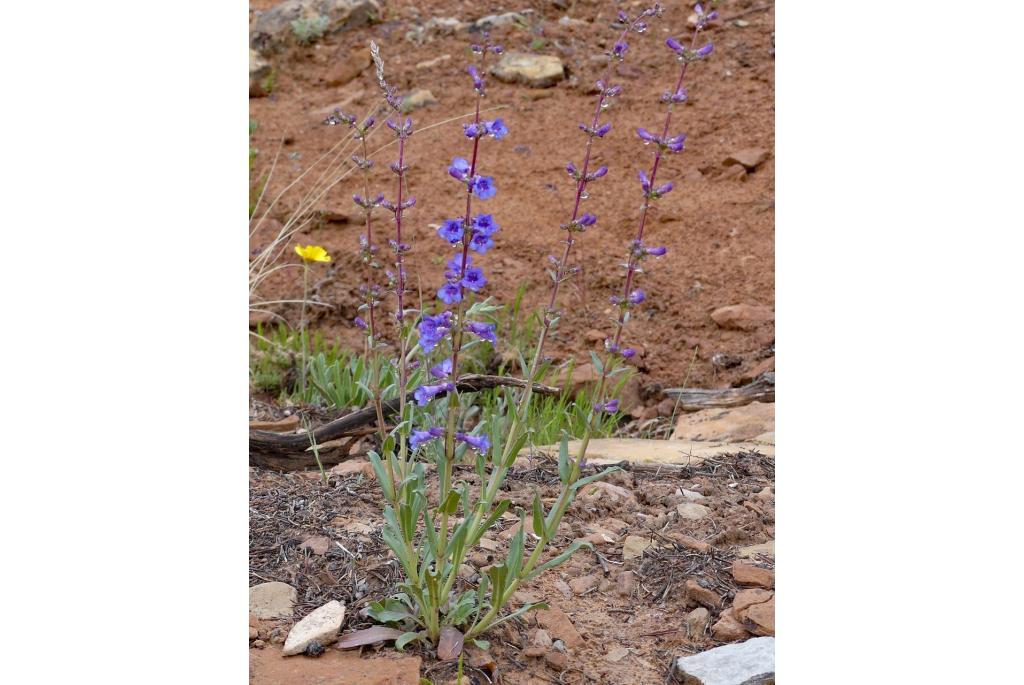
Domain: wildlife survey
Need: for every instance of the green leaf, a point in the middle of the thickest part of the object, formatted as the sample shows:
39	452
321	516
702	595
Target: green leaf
382	476
451	503
559	560
499	578
482	644
563	459
538	515
590	479
405	638
519	612
515	552
598	366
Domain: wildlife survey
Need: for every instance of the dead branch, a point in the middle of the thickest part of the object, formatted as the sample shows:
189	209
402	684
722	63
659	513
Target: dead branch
761	389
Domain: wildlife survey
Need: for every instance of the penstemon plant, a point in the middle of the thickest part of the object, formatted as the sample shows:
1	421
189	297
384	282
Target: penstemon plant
431	535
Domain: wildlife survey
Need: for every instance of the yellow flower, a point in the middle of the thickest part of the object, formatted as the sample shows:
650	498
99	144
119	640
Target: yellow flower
312	253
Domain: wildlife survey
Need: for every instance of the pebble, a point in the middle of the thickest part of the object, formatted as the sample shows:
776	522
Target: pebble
535	71
702	595
748	598
259	644
728	628
585	583
272	600
742	663
749	158
616	655
697	622
322	625
634	546
558	624
417	99
557	660
759	619
692	511
625	583
748	574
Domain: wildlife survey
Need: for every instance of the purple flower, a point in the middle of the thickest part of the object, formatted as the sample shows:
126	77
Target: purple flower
572	170
676	143
471	130
360	323
485	331
459	169
420	437
425	393
599	173
656	251
706	50
478	83
674	44
619	49
645	182
496	129
451	230
484	223
455	266
481	242
601	130
433	329
450	293
637	296
665	189
442	370
484	188
481	443
587	219
609	407
628	353
647	135
474	279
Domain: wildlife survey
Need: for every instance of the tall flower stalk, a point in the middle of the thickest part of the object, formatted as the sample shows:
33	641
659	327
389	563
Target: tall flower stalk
631	297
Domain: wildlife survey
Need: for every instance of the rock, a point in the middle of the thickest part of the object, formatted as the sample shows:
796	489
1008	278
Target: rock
322	625
569	21
467	572
765	548
666	407
259	644
743	317
582	375
733	173
697	623
728	628
609	451
625	583
285	425
253	633
428	63
259	70
353	467
443	26
749	158
759	619
535	652
535	71
702	595
735	424
614	495
725	361
691	511
273	28
634	545
594	335
748	598
691	494
752	374
557	622
557	660
272	600
541	638
346	69
417	99
317	544
335	667
564	588
616	655
585	583
741	663
747	574
493	21
689	542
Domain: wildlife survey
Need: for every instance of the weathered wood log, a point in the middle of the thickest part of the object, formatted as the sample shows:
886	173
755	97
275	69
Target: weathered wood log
761	389
289	452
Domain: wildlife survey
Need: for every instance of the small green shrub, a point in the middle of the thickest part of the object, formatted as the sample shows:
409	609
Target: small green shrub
309	30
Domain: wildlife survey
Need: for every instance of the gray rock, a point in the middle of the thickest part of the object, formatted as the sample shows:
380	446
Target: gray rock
321	626
536	71
494	21
742	663
692	511
259	70
272	600
417	99
750	158
273	28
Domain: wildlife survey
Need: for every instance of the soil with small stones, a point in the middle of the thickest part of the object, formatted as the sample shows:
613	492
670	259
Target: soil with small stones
719	229
631	630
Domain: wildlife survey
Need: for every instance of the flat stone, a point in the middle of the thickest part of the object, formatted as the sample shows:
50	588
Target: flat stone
417	99
728	628
690	542
616	655
747	574
353	467
607	451
749	158
759	619
691	494
742	317
322	625
742	663
692	511
559	625
285	425
765	548
585	583
492	21
736	424
613	494
535	71
333	667
633	546
702	595
317	544
697	622
272	600
748	598
273	28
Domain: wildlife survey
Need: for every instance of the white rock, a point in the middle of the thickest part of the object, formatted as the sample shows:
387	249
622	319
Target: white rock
741	663
691	494
692	511
322	625
272	600
536	71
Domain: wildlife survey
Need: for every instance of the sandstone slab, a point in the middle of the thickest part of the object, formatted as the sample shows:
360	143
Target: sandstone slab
742	663
742	317
735	424
322	625
272	600
535	71
607	451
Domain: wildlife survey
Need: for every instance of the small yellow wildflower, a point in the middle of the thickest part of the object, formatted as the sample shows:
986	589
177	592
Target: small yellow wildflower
312	253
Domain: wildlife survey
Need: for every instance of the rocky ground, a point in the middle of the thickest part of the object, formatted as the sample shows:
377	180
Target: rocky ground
683	562
715	289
